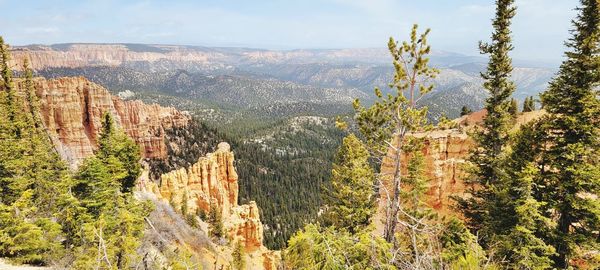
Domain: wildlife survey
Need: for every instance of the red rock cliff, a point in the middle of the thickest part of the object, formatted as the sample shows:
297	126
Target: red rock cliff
72	107
446	157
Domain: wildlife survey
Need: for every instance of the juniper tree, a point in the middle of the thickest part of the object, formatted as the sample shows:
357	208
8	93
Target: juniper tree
570	172
492	137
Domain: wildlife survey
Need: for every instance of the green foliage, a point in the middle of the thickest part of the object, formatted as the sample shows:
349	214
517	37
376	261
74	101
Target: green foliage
460	248
491	140
519	222
239	260
350	200
215	218
114	143
27	240
513	110
30	176
445	123
386	123
465	111
326	248
570	179
111	221
529	104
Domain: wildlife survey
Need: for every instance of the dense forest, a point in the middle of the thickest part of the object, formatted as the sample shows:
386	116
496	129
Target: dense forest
284	174
532	191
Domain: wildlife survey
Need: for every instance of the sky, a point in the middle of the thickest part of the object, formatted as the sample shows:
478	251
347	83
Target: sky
539	28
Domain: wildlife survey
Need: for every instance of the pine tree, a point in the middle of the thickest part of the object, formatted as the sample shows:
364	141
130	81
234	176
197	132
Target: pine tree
460	248
30	175
25	239
570	172
420	226
518	232
239	260
465	111
529	104
215	218
387	122
114	143
479	210
350	198
113	222
513	110
326	248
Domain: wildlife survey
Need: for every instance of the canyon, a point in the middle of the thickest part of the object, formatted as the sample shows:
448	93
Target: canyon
71	109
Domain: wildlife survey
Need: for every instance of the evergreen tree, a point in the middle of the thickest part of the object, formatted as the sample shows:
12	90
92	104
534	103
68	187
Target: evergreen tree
239	260
113	222
479	210
114	143
518	233
317	248
215	218
420	226
460	248
570	168
30	175
387	122
25	239
350	199
529	104
513	110
465	111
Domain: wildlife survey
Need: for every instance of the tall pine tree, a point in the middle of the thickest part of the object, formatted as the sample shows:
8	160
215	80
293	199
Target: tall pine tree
480	210
570	167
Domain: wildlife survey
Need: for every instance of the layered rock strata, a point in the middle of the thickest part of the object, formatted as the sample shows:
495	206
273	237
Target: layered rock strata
72	108
446	155
211	184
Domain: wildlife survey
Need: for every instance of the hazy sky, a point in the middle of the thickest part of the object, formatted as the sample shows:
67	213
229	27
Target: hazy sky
540	26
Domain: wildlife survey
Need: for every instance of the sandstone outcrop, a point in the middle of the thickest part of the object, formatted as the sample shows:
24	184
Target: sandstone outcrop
446	153
72	107
211	184
84	55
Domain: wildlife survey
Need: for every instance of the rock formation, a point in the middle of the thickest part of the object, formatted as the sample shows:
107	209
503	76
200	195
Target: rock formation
446	153
83	55
211	184
72	107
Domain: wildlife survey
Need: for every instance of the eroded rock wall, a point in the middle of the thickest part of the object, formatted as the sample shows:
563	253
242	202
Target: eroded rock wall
72	107
211	184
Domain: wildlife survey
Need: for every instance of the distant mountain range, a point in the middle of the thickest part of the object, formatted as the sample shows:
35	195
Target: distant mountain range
319	81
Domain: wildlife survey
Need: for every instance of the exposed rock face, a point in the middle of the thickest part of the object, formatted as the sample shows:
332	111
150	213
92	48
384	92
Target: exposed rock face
446	157
72	108
82	55
214	181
